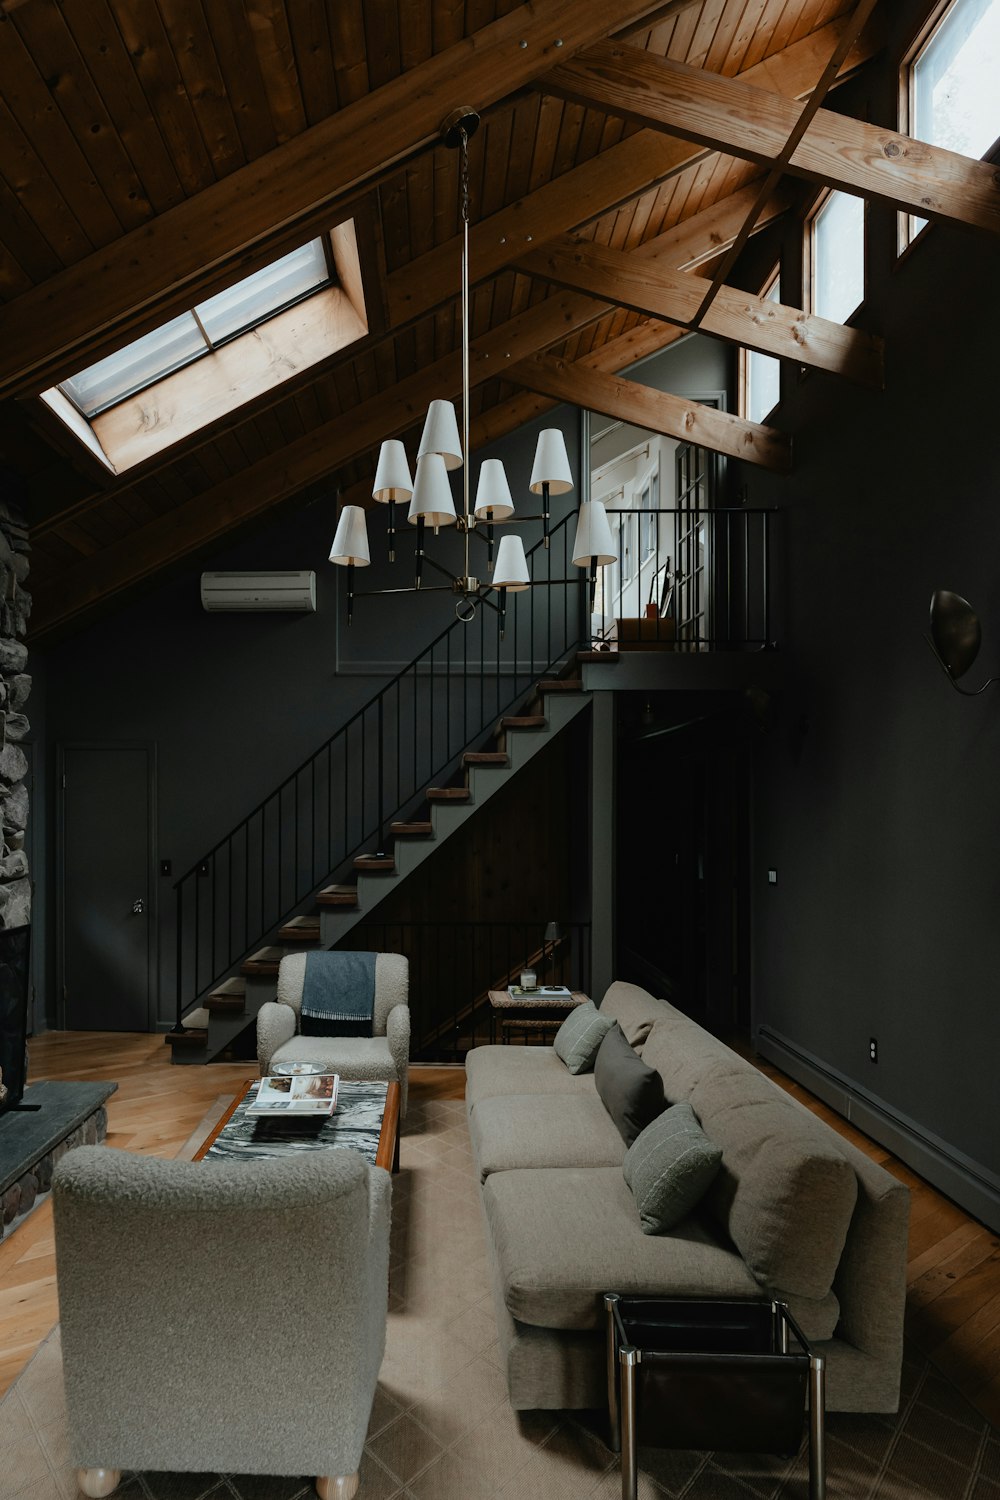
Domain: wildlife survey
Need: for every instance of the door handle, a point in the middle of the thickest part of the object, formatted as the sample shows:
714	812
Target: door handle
138	906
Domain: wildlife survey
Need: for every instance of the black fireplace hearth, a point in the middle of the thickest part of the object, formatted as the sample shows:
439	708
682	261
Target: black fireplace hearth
14	947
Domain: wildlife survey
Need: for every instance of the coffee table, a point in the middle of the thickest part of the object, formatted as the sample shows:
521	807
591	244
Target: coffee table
366	1119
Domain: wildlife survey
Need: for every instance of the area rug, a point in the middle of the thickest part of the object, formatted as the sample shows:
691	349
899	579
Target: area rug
442	1428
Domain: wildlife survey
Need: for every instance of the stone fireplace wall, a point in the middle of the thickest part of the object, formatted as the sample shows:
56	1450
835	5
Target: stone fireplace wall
15	883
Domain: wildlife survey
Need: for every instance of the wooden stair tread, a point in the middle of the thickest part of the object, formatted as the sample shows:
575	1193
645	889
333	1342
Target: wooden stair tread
485	758
338	895
524	721
448	794
226	1005
414	829
264	961
300	930
560	685
192	1036
383	862
229	998
231	986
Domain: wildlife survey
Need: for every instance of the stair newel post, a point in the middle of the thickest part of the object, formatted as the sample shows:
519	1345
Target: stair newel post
350	593
418	555
380	846
545	514
390	531
179	892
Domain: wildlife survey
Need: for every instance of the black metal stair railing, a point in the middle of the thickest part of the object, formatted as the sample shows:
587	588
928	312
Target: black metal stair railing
376	766
706	570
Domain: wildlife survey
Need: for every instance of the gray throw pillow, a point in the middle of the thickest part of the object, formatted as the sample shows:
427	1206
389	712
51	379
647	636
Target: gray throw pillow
670	1167
580	1035
632	1092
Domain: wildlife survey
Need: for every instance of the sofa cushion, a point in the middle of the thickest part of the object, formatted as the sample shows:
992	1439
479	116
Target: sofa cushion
669	1168
631	1092
785	1193
495	1072
635	1010
562	1237
580	1035
682	1053
533	1130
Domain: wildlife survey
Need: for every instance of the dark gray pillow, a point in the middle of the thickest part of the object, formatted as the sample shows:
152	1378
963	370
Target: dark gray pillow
580	1035
670	1167
631	1091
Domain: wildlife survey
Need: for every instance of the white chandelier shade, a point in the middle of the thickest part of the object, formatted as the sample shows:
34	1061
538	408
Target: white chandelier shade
593	541
350	545
493	497
551	465
440	435
392	477
511	570
432	500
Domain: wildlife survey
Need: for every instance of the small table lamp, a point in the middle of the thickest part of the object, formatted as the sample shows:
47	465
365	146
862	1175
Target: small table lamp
553	935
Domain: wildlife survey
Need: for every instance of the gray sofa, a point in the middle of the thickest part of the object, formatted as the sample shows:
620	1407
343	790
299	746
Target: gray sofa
796	1212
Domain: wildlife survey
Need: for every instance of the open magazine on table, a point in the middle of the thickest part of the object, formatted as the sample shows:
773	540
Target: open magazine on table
302	1094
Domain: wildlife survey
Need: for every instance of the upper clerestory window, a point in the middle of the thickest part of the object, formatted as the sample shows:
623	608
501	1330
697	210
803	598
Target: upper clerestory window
949	85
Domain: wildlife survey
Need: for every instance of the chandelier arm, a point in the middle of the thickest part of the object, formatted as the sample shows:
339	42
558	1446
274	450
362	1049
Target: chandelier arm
409	588
445	572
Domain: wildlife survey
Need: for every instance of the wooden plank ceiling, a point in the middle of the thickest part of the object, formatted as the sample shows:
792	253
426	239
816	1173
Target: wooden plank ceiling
154	150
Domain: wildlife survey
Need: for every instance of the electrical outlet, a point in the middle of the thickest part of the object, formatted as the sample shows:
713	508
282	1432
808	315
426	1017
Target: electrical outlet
873	1049
772	877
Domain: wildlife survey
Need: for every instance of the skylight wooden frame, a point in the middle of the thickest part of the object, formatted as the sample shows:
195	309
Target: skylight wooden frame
211	344
236	371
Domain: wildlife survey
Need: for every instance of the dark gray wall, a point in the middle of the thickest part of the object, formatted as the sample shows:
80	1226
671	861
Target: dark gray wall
878	796
232	703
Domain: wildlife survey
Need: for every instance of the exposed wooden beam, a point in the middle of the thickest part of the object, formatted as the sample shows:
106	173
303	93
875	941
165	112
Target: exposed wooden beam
705	233
312	171
629	280
586	192
855	26
729	114
658	411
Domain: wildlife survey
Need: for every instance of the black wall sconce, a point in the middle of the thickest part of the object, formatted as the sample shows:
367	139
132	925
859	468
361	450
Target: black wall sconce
955	638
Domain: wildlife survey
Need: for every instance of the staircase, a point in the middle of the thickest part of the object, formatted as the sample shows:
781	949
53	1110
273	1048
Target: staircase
433	746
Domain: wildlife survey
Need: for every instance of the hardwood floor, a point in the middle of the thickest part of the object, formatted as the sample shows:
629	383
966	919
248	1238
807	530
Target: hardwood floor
953	1302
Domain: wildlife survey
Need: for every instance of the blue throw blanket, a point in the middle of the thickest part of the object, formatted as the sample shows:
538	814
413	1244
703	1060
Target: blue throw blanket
338	994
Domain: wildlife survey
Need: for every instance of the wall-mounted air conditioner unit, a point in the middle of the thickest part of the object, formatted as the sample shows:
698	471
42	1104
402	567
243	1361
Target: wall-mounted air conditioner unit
259	591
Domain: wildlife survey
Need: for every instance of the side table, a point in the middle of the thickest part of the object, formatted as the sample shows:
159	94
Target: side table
541	1012
713	1373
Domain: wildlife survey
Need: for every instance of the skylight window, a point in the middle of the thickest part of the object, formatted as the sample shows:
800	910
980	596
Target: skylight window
209	325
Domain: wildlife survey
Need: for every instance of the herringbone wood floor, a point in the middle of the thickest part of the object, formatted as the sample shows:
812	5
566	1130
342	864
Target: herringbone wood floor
954	1271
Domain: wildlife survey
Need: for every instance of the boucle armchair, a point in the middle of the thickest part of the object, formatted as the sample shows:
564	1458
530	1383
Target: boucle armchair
384	1055
218	1316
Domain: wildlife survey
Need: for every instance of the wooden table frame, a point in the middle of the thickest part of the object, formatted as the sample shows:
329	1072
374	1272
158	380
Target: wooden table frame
537	1010
387	1154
